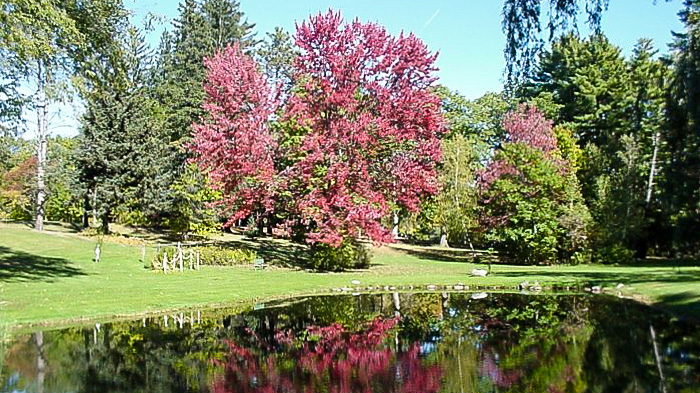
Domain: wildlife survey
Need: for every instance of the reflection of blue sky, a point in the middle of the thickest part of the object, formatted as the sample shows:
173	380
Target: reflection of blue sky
427	347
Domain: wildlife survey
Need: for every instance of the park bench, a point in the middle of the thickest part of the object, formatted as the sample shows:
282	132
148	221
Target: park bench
259	263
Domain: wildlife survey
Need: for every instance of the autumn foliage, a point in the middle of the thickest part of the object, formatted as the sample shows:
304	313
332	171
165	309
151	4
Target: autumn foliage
329	359
357	137
533	208
235	144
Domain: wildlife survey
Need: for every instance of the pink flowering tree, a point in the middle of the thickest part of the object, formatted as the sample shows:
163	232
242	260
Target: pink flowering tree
234	144
533	208
334	360
358	136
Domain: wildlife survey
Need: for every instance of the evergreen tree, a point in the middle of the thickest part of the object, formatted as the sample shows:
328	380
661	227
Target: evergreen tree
522	26
200	31
680	184
120	141
276	57
615	109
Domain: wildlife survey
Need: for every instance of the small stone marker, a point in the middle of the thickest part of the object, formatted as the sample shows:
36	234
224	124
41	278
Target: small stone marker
479	272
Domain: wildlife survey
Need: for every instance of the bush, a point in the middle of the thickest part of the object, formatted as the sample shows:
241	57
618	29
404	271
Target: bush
220	256
351	254
208	255
613	254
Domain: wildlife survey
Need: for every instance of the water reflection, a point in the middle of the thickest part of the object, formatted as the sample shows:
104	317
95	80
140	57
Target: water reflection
375	343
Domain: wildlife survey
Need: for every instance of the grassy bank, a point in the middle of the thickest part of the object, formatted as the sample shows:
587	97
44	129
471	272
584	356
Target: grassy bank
50	278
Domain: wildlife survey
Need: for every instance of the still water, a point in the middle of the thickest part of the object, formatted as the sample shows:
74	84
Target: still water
418	343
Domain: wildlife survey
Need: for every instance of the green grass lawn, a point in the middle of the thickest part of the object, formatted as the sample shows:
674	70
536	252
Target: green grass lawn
50	278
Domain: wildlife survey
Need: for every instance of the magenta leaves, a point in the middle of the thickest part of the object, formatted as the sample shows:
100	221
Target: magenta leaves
234	144
527	127
358	135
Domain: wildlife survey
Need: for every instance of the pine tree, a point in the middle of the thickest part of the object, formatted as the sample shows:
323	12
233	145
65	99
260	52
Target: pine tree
276	56
200	31
681	184
120	140
615	109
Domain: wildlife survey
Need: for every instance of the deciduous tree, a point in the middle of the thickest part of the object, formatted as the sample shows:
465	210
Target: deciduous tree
534	211
358	135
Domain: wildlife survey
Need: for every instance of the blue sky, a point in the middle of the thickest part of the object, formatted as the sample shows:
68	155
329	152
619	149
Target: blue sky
466	33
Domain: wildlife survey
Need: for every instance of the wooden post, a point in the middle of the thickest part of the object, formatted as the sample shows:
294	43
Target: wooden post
165	262
97	252
179	255
197	259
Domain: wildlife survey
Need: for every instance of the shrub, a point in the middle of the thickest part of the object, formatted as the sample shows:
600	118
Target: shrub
220	256
612	254
351	254
209	255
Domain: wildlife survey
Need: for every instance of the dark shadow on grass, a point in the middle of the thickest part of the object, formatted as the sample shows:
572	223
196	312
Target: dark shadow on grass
284	253
603	279
452	255
16	266
274	252
684	303
662	262
54	226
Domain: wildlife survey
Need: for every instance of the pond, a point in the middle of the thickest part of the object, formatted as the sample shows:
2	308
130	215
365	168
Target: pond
408	342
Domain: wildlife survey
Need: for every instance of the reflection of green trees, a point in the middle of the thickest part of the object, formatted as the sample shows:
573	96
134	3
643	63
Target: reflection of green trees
503	343
123	357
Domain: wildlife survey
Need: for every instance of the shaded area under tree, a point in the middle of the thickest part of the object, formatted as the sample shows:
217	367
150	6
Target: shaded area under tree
21	266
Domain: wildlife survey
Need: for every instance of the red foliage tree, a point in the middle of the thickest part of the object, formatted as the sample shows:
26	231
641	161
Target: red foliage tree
335	361
234	144
359	133
529	127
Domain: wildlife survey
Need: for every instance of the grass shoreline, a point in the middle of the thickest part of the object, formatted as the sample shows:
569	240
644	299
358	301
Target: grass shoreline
49	280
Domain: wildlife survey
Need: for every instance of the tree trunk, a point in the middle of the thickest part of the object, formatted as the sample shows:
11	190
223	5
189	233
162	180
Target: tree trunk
652	172
105	222
94	206
261	226
270	226
443	238
395	229
86	207
40	361
42	114
642	245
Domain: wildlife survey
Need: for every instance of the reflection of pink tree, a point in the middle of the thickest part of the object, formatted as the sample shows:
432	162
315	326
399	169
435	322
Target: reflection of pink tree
332	360
489	368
